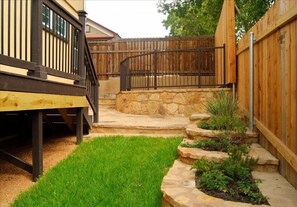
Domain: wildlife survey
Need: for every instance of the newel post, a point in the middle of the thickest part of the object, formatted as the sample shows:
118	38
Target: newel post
36	40
81	48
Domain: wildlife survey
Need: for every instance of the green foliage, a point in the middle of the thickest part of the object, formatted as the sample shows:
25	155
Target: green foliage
203	165
200	17
225	114
224	123
223	104
239	164
220	144
249	13
108	171
232	176
190	17
214	180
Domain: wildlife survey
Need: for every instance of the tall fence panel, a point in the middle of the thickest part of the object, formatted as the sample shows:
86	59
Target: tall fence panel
275	82
225	34
108	55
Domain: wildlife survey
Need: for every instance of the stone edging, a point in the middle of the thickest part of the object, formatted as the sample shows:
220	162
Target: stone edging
178	188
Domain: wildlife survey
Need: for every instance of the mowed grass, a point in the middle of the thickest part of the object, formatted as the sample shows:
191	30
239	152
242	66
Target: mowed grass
108	172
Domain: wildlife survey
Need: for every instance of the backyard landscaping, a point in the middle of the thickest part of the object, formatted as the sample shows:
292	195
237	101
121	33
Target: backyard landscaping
108	171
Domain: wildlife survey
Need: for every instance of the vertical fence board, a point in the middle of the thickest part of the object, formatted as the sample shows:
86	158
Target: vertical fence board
275	77
109	54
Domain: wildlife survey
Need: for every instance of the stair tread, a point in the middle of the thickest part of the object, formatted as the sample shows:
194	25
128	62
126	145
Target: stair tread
256	151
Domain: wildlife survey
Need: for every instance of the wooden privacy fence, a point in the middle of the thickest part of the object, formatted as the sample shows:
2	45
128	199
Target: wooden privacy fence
275	82
108	55
225	34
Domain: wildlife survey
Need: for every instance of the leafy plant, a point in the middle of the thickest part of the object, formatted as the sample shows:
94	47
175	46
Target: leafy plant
203	165
214	180
220	144
231	179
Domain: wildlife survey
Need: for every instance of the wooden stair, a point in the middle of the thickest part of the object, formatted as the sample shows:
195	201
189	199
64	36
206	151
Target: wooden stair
66	118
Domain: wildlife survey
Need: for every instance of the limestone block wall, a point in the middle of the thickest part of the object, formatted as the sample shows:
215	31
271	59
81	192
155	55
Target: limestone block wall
164	102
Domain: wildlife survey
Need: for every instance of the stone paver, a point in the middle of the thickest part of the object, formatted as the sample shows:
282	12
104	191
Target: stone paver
114	122
196	133
196	117
266	161
179	189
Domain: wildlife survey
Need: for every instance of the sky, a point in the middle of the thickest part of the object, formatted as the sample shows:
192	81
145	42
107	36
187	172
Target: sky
128	18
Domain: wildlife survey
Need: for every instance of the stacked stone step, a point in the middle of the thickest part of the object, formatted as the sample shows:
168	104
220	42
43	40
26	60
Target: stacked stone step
266	161
195	133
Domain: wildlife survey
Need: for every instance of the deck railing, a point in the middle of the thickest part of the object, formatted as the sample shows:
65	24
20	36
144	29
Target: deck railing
172	68
42	38
92	83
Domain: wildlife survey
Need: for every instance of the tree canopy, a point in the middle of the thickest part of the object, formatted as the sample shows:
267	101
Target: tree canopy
200	17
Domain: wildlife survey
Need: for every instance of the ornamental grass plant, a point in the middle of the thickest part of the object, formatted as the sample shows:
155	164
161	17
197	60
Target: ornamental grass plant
225	114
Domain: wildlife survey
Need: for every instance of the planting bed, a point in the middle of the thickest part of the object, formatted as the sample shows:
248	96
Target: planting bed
179	190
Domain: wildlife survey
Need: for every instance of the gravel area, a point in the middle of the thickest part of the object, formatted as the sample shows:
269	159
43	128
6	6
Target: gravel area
14	180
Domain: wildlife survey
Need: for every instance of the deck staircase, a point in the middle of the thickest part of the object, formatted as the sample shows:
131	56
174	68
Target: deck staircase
66	118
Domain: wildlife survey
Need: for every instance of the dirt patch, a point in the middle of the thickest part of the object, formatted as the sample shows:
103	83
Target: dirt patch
13	180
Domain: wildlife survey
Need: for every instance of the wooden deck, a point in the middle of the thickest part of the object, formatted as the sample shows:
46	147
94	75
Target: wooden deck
47	78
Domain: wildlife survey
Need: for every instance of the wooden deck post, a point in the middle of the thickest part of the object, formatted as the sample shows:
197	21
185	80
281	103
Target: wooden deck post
36	40
96	113
37	136
79	125
81	49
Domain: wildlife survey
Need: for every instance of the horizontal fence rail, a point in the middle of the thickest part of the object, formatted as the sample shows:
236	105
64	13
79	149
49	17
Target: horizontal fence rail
171	68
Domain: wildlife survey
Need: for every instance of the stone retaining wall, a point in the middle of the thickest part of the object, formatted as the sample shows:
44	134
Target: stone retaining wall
164	102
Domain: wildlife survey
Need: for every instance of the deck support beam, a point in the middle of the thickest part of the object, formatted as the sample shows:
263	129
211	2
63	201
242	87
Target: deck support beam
79	125
37	140
16	161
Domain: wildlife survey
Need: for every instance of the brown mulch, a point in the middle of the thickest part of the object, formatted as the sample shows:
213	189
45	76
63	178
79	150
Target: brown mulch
14	180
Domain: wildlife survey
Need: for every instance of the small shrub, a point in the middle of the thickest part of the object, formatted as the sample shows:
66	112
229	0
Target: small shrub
220	144
203	125
203	165
230	179
214	180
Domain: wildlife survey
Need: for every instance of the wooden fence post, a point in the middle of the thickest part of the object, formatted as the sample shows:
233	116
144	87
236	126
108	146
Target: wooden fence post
155	69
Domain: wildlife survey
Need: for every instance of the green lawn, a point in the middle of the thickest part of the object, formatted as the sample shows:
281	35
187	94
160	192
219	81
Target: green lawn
108	172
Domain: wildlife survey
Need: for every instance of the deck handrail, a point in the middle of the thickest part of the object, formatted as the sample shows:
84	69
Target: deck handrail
36	43
92	83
